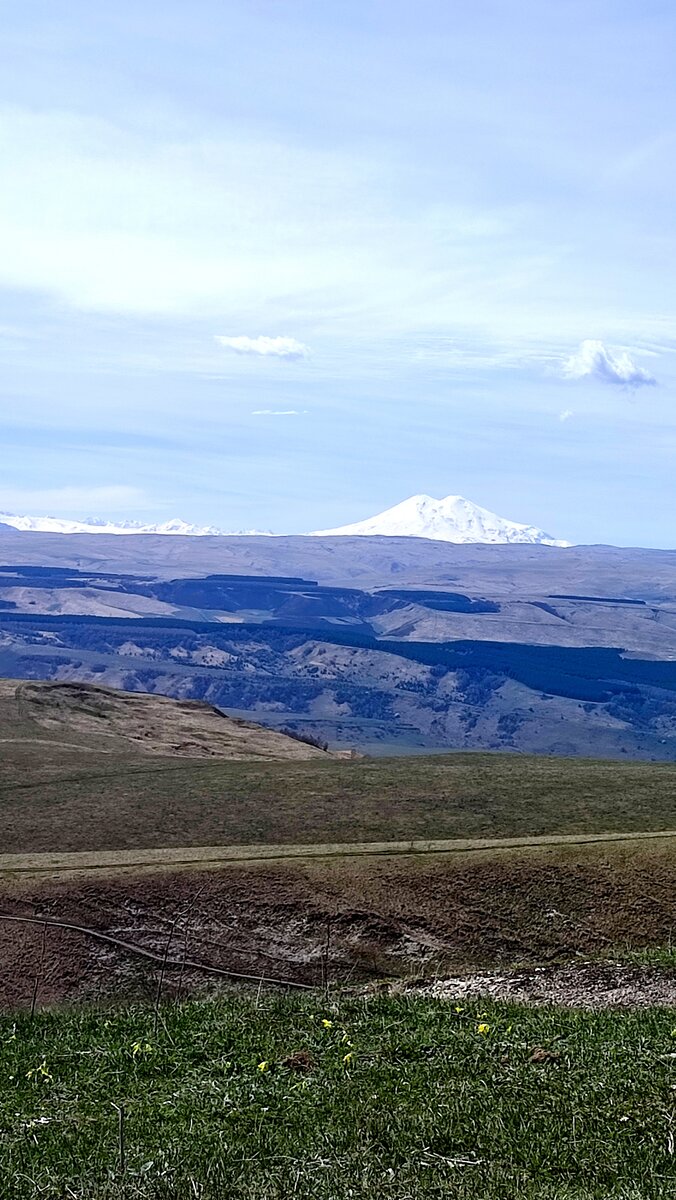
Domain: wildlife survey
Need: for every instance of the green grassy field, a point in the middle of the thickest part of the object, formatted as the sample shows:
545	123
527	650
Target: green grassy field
391	1097
92	802
69	781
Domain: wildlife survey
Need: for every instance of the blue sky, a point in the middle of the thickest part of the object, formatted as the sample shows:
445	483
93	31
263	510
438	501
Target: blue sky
279	265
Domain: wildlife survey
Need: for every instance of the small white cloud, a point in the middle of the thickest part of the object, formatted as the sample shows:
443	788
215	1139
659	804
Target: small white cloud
266	347
566	414
593	360
279	412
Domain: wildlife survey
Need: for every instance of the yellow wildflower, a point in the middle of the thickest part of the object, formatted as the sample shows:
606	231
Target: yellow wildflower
327	1024
40	1072
141	1048
263	1066
483	1028
347	1058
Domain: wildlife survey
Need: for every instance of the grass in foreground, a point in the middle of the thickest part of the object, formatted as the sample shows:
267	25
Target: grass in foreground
390	1097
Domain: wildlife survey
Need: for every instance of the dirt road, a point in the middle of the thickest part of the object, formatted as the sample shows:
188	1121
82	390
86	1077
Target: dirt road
212	856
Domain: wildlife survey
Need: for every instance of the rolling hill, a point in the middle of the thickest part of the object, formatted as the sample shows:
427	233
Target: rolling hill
46	728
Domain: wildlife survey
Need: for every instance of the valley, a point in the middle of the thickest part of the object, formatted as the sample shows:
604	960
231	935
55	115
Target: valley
490	736
539	660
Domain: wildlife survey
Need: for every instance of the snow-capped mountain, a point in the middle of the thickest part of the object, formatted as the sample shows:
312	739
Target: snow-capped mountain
452	519
96	525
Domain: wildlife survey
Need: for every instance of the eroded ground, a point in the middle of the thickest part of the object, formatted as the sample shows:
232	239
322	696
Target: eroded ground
349	921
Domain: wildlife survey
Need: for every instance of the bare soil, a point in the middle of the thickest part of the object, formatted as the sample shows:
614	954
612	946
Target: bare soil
348	920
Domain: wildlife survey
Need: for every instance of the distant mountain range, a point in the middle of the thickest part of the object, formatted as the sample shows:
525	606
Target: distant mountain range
177	527
452	519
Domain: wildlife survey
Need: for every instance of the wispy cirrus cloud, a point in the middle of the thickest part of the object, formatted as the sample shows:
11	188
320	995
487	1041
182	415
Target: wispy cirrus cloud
279	412
266	347
113	498
593	360
566	414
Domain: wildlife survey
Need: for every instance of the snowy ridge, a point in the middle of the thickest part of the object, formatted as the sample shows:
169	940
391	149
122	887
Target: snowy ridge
96	525
452	519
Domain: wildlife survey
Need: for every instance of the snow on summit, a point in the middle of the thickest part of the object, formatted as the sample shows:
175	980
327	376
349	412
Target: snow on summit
452	519
98	525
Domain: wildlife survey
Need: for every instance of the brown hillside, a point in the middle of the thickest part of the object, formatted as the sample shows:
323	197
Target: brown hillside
88	717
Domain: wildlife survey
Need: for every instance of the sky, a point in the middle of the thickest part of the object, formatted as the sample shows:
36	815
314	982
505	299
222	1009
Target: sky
279	265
